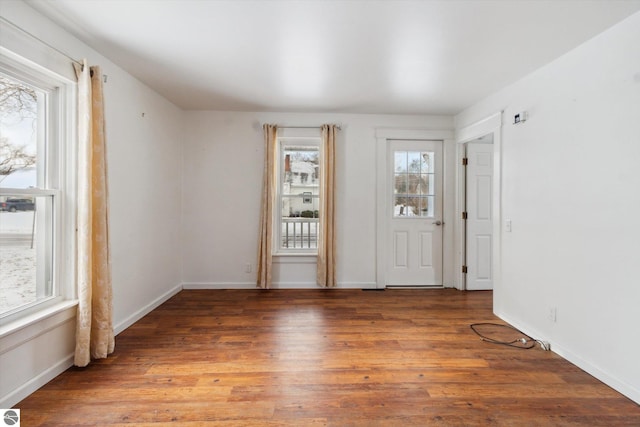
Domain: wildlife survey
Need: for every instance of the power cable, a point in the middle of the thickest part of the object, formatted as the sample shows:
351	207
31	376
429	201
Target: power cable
526	342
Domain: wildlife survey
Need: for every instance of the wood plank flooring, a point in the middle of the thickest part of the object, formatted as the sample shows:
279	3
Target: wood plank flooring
324	358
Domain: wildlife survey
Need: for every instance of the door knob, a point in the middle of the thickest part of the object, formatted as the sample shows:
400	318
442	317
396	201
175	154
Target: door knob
439	223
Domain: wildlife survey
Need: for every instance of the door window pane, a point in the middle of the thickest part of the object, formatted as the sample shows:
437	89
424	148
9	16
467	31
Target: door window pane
414	184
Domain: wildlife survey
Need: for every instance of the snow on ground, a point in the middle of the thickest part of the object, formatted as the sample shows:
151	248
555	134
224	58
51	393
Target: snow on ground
17	277
17	260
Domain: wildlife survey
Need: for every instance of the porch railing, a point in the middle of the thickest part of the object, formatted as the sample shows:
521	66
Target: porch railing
299	233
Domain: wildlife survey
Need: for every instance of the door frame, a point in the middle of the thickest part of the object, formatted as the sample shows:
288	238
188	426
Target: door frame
383	136
490	125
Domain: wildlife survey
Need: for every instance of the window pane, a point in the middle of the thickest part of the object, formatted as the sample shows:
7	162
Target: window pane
300	197
25	250
299	229
427	161
300	169
20	156
414	160
401	186
427	181
400	161
414	184
429	206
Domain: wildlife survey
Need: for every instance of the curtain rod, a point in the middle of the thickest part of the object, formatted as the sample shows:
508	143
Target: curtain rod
22	30
305	127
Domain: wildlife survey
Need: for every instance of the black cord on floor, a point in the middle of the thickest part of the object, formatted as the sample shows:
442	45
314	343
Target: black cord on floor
525	342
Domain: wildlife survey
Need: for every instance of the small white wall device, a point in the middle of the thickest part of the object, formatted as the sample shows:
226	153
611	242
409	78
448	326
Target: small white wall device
520	117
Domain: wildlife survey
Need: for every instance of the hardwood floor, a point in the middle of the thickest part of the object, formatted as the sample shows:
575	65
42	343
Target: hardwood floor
324	358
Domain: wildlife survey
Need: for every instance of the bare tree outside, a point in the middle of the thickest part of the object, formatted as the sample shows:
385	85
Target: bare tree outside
18	103
18	128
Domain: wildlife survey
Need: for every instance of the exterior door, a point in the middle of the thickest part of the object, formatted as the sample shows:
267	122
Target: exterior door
479	216
415	213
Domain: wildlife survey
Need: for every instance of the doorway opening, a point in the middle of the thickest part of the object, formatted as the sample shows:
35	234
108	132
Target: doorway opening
478	231
477	215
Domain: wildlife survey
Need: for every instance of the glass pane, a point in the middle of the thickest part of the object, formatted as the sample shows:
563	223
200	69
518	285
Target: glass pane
400	161
301	169
302	205
414	160
20	157
414	184
400	208
300	222
300	197
429	207
427	161
423	206
25	250
400	183
427	182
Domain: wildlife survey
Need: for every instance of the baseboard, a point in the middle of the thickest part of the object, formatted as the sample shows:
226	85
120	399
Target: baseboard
219	285
145	310
276	285
615	383
35	383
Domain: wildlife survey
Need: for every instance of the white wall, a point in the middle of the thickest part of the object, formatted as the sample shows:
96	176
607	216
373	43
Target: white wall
571	187
223	165
144	156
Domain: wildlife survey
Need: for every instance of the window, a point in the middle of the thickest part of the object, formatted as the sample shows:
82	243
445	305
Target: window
298	195
414	190
33	124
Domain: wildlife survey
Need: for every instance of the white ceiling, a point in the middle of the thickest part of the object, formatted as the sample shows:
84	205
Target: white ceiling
423	57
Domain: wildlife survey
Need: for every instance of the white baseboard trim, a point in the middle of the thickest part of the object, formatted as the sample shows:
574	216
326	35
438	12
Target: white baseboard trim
35	383
276	285
615	383
219	285
145	310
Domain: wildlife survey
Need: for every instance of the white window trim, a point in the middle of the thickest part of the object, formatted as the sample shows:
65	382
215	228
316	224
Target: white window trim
61	125
284	139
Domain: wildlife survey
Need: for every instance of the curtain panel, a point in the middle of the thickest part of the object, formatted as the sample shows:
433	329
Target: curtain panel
94	327
269	182
326	272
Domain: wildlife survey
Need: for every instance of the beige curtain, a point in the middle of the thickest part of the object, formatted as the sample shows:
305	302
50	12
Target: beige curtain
326	228
94	328
269	182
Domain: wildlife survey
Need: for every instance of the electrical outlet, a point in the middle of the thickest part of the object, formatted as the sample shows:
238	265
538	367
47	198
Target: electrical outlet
507	226
553	314
247	267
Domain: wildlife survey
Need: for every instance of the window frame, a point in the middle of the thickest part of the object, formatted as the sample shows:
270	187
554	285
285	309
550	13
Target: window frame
56	140
285	139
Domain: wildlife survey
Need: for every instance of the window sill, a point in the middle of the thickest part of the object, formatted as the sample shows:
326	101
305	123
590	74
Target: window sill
293	258
41	321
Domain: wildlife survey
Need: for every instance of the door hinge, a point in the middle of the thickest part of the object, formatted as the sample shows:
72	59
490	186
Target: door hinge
464	215
465	161
464	269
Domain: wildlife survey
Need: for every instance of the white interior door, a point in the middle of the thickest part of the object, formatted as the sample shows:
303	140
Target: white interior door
479	223
415	213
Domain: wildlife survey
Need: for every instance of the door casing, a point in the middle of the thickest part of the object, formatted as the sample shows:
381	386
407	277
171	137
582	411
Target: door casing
383	136
490	125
